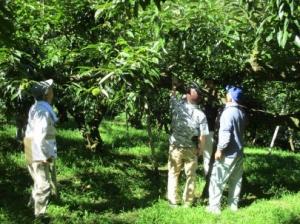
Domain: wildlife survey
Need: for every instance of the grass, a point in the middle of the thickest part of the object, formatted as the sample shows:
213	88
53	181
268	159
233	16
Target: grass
121	187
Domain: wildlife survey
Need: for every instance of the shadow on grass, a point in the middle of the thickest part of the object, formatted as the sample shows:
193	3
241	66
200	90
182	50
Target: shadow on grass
269	176
125	184
14	195
129	138
295	219
116	183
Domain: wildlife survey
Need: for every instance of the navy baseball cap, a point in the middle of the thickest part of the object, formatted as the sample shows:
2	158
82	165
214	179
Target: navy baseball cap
236	93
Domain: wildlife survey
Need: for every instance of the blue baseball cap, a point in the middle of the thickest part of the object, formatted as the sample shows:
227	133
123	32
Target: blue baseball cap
236	93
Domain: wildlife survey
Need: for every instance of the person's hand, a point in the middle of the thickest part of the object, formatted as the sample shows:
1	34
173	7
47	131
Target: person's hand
49	160
174	86
218	154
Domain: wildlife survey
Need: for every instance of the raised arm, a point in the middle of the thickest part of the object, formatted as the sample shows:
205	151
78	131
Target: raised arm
174	86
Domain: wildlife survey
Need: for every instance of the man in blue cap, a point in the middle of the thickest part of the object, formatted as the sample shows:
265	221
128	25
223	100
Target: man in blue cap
228	166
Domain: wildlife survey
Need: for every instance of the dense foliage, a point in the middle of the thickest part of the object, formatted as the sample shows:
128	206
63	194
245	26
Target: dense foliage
113	56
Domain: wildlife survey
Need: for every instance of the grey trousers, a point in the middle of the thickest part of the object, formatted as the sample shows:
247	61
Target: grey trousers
207	152
226	170
40	173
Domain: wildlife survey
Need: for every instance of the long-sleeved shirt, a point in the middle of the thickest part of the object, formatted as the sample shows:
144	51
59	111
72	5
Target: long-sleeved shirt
187	121
232	126
41	131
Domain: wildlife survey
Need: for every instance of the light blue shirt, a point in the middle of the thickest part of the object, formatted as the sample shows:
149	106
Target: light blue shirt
232	126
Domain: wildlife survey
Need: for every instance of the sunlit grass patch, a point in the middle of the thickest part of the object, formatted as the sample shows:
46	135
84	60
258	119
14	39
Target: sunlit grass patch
135	151
69	134
7	130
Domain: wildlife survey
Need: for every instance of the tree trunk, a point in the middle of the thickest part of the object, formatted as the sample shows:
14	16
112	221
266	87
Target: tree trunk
151	145
156	178
291	140
62	112
90	132
21	122
93	138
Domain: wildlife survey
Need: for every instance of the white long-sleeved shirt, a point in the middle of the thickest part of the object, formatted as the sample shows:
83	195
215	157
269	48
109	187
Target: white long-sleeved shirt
40	129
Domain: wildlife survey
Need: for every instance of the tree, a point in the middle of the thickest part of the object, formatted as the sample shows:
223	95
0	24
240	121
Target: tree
121	55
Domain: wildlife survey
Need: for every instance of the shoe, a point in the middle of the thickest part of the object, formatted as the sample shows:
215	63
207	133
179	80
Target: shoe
187	205
234	208
173	205
214	211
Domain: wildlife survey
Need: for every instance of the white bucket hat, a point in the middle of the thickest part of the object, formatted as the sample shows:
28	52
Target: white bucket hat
39	89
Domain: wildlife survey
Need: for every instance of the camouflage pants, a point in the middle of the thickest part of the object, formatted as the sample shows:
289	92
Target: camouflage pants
179	158
226	170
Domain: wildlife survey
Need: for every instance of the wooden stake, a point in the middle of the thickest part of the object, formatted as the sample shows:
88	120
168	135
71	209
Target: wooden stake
274	138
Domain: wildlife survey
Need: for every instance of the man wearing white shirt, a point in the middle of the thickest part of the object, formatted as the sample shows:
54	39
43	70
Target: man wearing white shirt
40	146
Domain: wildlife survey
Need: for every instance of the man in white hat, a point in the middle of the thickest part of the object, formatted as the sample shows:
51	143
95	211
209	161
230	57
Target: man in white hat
40	146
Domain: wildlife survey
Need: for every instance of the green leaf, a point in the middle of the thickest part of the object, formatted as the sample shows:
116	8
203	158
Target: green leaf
155	60
279	37
292	7
101	9
284	38
281	12
105	92
278	2
297	41
106	77
286	24
270	37
98	13
146	81
130	34
261	27
121	41
15	95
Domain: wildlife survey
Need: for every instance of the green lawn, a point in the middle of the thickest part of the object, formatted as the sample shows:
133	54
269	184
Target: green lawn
120	186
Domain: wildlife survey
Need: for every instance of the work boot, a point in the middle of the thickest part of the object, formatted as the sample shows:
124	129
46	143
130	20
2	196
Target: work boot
213	210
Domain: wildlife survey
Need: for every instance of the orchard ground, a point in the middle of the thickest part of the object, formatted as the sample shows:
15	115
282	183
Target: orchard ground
120	186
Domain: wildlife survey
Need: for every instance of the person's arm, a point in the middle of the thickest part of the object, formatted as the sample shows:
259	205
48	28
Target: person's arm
224	134
174	86
173	100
